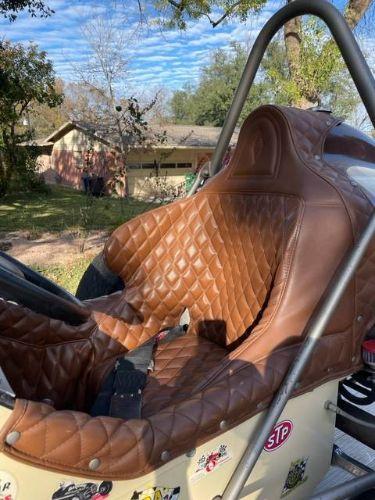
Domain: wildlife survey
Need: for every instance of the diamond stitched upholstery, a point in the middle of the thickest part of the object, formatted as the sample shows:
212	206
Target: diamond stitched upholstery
179	366
218	259
44	358
67	441
250	256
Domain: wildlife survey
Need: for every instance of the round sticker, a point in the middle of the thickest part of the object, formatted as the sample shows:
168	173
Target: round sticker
279	435
8	486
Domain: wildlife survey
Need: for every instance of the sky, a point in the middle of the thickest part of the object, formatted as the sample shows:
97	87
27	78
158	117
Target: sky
157	58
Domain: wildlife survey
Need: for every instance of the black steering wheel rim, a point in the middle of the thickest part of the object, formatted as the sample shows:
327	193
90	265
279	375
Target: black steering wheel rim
20	284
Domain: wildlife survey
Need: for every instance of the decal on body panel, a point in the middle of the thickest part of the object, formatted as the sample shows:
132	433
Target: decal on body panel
157	493
296	476
279	435
86	491
8	486
208	462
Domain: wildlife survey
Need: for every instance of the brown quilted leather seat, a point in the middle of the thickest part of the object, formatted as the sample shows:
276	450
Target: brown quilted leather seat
250	257
179	366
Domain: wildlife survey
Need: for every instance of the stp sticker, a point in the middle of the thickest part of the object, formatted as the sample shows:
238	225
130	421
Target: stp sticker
8	486
88	491
279	435
208	462
295	477
157	493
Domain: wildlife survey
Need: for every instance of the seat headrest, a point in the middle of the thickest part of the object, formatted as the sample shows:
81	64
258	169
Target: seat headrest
280	150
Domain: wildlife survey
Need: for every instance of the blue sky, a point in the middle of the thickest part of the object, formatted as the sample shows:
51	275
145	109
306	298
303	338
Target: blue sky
158	58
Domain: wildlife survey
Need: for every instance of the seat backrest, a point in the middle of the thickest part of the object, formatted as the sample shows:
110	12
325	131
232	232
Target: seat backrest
250	256
259	243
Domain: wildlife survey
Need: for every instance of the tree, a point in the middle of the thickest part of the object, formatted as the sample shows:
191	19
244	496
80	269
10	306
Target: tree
184	105
42	119
324	56
178	12
26	78
11	8
104	101
208	103
320	77
306	76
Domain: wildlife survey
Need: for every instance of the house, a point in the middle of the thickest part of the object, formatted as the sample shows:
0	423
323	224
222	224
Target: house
65	153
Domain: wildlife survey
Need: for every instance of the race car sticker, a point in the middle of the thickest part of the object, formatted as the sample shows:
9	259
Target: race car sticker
208	462
157	493
296	476
88	491
279	435
8	486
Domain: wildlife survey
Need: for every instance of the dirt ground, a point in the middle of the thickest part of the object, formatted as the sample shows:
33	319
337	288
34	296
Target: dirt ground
50	249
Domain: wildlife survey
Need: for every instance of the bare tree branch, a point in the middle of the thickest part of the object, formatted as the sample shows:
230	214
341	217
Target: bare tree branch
142	16
181	6
176	5
105	100
353	12
227	13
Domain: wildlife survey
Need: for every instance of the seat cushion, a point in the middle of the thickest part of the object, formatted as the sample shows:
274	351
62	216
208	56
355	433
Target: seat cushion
179	366
250	256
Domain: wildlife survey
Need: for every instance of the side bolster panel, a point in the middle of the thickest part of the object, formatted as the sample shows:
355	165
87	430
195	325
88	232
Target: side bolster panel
129	244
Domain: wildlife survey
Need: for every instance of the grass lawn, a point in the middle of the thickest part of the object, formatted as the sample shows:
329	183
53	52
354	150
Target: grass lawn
65	209
68	210
67	275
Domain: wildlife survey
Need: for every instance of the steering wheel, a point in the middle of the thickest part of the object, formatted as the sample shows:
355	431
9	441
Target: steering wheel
20	284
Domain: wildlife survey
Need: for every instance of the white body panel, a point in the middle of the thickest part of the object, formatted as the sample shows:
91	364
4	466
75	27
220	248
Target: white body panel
309	443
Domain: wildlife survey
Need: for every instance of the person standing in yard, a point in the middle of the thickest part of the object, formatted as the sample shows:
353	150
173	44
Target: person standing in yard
86	180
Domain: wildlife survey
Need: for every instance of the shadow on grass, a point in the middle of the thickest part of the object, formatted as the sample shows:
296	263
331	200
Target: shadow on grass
65	209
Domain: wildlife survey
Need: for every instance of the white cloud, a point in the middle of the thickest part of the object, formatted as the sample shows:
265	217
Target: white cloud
169	59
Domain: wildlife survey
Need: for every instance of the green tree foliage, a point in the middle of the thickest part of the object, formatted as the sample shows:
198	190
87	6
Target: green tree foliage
27	79
322	78
176	13
305	68
209	101
10	8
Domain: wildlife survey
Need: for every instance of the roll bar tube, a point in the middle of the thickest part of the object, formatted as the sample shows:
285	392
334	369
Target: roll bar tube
13	287
365	84
345	40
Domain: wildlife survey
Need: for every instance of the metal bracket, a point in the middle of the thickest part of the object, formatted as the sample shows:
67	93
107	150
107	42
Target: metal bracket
347	463
328	405
199	182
